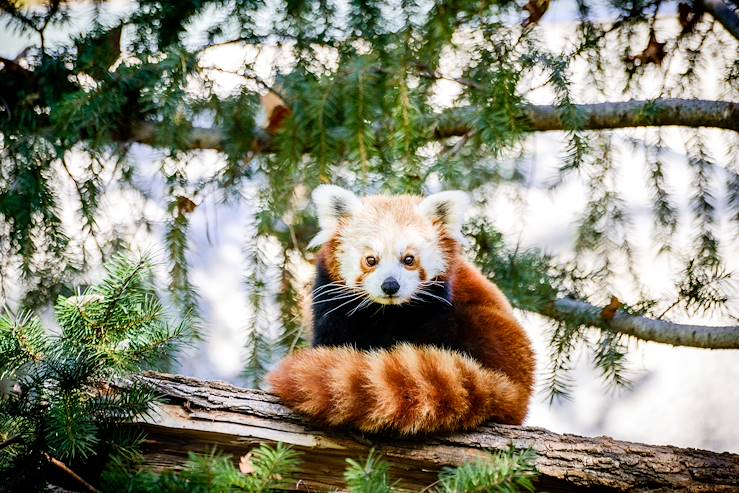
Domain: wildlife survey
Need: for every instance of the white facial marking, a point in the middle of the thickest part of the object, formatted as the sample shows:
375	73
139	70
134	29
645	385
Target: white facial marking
388	228
332	204
389	239
449	208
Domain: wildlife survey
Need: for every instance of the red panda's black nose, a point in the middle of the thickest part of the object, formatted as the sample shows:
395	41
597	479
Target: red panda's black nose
390	286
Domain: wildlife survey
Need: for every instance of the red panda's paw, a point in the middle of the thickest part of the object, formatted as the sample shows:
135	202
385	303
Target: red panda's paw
407	389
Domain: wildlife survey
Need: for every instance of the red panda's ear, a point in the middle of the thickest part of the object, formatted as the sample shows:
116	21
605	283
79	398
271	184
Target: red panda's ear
448	208
332	203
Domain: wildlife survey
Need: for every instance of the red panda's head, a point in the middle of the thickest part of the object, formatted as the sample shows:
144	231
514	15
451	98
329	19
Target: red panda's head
389	247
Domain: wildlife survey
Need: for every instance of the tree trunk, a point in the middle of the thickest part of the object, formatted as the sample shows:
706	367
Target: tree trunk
198	415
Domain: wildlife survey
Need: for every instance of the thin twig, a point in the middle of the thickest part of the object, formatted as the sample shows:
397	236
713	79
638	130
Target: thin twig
453	150
647	329
66	470
253	77
277	39
10	441
240	39
659	317
80	195
428	488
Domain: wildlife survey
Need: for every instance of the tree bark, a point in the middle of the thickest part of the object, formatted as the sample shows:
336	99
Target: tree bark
600	116
622	114
197	415
648	329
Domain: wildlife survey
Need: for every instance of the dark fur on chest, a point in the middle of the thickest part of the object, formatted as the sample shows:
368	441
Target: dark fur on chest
376	326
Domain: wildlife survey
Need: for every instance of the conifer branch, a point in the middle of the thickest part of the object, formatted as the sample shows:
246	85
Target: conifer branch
541	118
648	329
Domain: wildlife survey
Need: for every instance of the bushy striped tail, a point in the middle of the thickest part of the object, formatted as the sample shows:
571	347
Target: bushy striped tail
406	389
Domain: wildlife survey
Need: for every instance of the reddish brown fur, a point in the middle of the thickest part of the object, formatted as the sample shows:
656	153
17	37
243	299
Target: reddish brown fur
331	262
410	389
420	390
406	389
492	335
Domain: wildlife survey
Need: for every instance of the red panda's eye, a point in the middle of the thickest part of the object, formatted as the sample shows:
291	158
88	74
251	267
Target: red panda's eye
409	259
371	261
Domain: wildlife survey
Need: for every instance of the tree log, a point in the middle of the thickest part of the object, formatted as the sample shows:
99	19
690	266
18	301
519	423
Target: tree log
197	415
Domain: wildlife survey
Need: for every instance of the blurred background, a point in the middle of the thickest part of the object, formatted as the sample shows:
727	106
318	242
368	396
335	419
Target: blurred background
646	215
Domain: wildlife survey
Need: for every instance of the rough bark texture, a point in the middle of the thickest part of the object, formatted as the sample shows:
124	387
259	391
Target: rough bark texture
198	415
660	112
625	114
622	114
702	336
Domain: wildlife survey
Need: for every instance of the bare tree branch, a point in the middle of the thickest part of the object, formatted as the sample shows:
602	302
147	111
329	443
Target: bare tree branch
197	415
624	114
701	336
660	112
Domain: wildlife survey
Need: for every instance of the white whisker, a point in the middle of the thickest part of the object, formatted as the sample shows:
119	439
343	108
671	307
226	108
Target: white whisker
334	291
336	298
380	307
359	296
328	289
422	292
355	308
364	304
321	287
432	283
332	285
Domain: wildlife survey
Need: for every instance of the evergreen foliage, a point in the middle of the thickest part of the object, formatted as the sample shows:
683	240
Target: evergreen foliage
370	477
501	472
266	469
359	81
59	406
60	417
270	469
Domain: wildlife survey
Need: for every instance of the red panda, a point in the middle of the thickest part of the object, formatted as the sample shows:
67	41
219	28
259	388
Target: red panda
407	335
